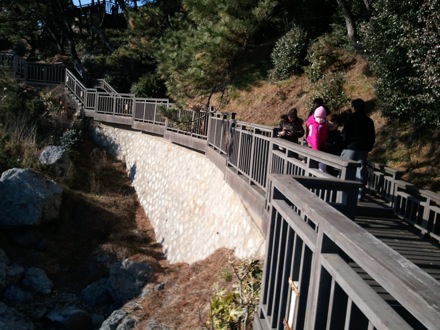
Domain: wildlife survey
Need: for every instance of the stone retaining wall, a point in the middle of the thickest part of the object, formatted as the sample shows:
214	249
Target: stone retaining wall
193	211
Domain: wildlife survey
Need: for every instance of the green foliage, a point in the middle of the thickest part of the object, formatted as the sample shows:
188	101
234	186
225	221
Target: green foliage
197	57
71	140
20	107
119	69
234	309
288	54
321	55
20	112
401	43
331	88
149	85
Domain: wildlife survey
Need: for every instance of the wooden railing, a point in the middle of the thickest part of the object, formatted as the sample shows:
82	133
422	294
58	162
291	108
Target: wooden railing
313	247
33	73
319	264
418	207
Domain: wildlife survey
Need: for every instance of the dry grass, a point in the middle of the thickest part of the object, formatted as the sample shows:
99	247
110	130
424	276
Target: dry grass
414	153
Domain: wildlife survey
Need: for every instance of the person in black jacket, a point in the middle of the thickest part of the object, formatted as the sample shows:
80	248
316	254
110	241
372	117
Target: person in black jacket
291	126
358	136
334	143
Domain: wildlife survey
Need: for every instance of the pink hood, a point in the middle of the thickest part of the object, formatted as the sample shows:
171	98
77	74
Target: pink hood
317	133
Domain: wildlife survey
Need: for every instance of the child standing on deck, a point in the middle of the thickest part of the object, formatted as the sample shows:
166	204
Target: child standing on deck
317	131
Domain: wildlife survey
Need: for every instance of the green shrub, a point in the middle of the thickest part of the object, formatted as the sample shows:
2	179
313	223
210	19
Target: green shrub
288	54
331	88
148	85
71	140
400	42
235	309
321	55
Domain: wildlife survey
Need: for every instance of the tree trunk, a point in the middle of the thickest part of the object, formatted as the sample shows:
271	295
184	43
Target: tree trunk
367	4
351	25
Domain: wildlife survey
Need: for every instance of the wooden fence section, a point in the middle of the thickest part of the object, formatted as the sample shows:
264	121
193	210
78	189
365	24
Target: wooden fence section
416	206
310	281
315	252
31	72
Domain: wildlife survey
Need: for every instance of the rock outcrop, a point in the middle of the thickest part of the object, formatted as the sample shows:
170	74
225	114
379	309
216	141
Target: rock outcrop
28	198
55	158
30	205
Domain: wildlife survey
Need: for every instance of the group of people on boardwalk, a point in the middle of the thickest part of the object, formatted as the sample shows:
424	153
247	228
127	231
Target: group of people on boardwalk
321	130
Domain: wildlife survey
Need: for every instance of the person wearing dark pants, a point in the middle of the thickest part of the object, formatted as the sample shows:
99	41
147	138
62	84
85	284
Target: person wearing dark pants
359	136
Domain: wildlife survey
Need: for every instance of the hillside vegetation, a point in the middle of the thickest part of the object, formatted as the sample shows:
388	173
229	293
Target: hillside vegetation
403	146
256	58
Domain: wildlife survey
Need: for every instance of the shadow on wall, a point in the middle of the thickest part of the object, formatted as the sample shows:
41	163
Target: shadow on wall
132	172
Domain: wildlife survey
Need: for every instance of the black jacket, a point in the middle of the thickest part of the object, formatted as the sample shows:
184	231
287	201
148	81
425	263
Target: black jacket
292	130
334	143
358	132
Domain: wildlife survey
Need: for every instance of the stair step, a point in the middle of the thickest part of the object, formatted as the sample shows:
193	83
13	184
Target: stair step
374	207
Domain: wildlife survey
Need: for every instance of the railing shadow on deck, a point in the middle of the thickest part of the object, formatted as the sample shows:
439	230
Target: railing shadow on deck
311	242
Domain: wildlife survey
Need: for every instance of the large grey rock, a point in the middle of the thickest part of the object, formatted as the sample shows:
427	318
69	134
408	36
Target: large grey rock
27	198
56	158
70	318
127	279
15	295
96	293
10	274
114	320
3	256
37	280
12	319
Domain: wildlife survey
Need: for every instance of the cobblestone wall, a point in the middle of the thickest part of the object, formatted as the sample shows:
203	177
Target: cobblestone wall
194	212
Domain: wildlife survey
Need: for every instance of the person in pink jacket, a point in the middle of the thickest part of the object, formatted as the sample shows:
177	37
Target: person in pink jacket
317	129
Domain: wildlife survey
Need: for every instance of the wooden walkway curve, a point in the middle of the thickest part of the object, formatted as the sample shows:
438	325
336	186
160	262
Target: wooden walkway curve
423	251
410	242
319	237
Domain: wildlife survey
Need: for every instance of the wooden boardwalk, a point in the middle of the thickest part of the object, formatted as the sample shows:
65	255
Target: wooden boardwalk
378	219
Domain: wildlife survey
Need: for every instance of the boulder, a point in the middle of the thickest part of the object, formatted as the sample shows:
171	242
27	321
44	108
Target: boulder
10	318
127	279
114	320
15	295
70	318
37	280
56	158
96	293
28	199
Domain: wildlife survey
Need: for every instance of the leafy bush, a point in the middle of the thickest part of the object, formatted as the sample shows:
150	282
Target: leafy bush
321	55
20	112
149	85
400	41
71	140
331	88
288	54
235	309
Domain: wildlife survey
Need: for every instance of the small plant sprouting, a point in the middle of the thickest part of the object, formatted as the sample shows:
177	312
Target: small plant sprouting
234	309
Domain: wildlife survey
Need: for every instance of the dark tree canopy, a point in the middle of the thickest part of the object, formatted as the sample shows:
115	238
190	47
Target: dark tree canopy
196	48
